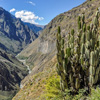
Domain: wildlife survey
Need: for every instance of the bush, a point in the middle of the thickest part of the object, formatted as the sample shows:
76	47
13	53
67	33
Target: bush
52	87
95	94
53	91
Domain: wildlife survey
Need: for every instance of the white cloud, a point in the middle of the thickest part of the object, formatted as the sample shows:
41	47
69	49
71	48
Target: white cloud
28	16
12	10
32	3
41	18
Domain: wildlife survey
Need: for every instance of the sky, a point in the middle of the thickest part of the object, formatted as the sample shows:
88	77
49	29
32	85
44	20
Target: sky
38	11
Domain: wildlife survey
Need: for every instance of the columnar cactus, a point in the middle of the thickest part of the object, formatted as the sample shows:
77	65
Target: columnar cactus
78	65
61	60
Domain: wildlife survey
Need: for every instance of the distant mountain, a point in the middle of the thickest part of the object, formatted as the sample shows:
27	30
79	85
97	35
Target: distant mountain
12	72
35	28
14	35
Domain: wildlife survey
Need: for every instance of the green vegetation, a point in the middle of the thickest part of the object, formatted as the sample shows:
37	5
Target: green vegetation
53	91
95	94
78	65
52	87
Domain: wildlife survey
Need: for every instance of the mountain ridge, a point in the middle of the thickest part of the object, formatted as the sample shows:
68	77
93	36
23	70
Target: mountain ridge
14	32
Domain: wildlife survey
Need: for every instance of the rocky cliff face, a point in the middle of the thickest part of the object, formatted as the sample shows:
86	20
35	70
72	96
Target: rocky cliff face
45	46
14	32
12	72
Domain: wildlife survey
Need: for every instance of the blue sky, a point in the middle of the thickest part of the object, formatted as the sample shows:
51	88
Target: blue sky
38	11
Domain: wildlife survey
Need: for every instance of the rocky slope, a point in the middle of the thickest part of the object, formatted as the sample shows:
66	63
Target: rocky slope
14	35
12	72
41	52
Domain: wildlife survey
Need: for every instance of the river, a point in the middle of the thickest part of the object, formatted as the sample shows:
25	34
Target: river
28	68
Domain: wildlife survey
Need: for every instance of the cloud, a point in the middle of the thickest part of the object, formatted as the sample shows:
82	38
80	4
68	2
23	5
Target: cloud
12	10
28	16
32	3
41	18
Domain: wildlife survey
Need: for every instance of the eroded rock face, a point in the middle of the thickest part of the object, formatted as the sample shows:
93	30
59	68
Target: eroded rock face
5	83
12	72
46	46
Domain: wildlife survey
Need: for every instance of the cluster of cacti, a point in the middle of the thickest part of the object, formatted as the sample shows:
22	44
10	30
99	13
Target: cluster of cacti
79	65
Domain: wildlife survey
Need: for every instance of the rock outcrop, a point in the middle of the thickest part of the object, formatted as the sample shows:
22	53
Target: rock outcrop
12	72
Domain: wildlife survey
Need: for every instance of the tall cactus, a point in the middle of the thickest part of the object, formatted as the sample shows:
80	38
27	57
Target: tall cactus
79	65
61	60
